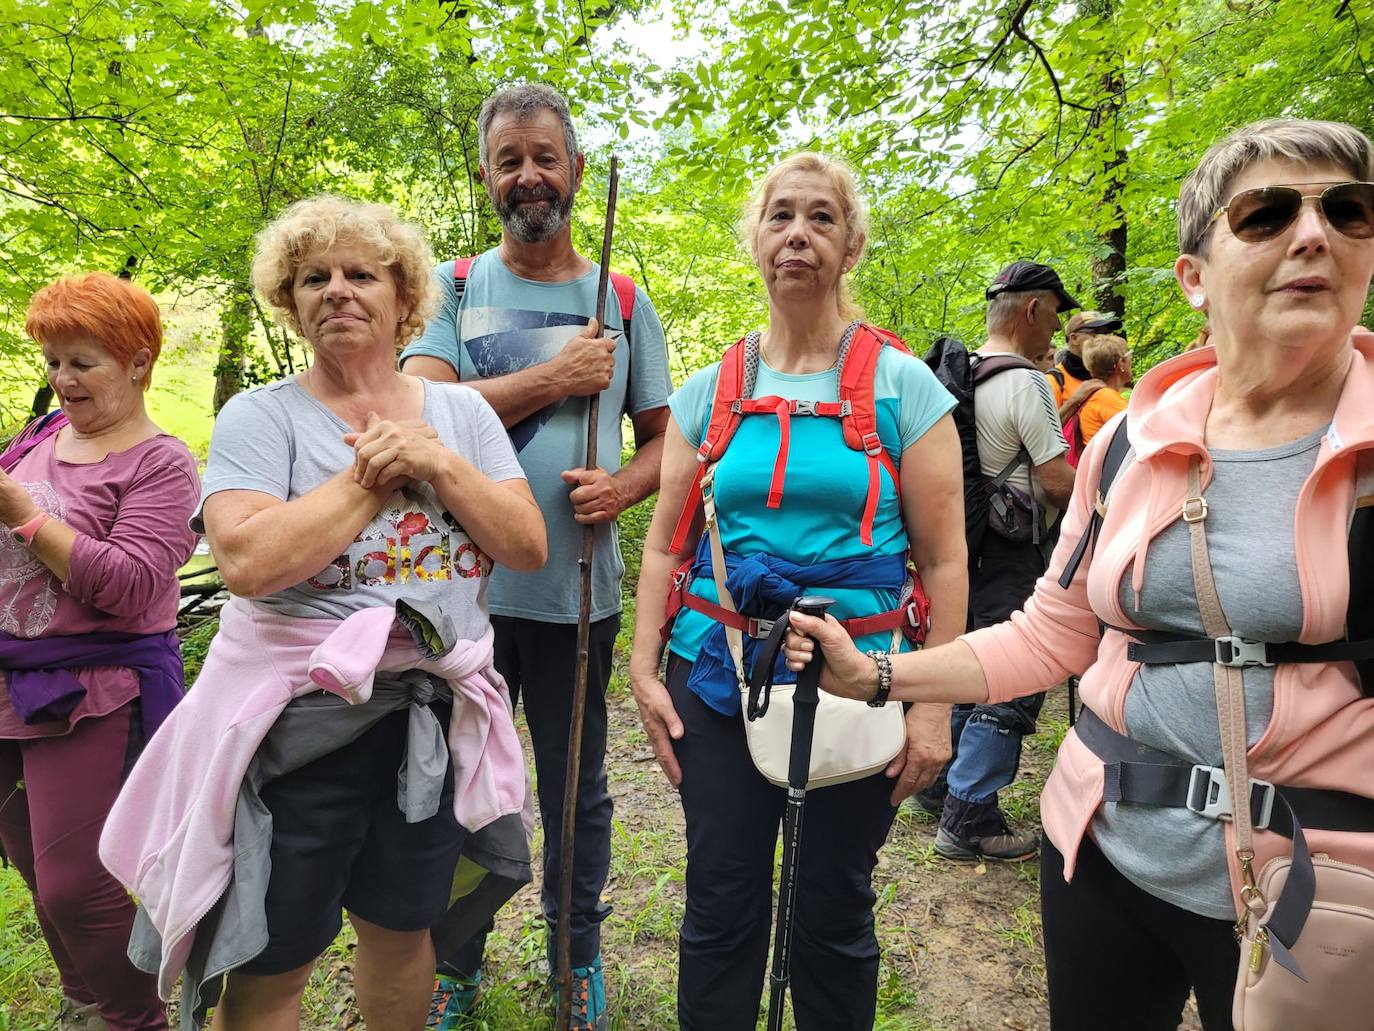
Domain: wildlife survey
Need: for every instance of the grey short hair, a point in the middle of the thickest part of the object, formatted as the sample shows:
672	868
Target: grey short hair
1003	309
1293	139
524	102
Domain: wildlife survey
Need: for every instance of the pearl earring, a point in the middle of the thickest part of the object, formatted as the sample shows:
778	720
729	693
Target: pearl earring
1198	299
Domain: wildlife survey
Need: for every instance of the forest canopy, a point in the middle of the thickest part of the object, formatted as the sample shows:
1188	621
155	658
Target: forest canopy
155	138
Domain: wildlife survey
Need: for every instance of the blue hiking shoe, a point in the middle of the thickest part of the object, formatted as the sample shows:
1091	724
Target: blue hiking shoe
588	997
454	998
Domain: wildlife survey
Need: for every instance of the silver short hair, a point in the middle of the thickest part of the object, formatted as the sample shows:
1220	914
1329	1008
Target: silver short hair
1003	309
1300	140
524	102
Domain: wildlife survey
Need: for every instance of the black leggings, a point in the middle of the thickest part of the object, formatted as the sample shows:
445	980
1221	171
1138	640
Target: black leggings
733	817
1117	957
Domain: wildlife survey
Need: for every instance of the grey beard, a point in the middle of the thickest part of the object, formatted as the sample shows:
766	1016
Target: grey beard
530	224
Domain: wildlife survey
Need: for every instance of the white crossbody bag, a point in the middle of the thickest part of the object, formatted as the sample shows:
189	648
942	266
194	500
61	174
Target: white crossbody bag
852	739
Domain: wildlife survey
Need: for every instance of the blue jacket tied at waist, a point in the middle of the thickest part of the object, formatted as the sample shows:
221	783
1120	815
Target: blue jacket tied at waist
764	586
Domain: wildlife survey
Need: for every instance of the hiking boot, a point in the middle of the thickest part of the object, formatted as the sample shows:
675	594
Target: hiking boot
588	997
929	803
454	998
970	831
74	1016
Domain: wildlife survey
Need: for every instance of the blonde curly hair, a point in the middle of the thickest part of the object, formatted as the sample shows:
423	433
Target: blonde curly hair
314	224
852	207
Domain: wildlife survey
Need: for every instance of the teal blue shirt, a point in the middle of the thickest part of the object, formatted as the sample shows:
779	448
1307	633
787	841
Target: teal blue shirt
505	324
826	483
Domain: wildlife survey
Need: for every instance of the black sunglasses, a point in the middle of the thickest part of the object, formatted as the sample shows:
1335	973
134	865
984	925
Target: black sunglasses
1257	215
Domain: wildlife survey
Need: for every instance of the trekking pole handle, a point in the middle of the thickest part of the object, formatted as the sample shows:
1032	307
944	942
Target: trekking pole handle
808	680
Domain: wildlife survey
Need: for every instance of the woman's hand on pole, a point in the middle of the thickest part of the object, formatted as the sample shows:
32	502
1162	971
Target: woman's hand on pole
660	722
847	672
928	748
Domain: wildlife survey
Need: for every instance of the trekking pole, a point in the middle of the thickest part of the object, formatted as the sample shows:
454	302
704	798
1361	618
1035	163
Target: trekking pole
1072	684
805	699
563	938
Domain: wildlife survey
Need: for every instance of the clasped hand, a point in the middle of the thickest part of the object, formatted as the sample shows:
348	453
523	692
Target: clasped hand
391	452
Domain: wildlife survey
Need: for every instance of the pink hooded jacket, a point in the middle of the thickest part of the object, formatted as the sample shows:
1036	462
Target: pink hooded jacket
1321	734
170	837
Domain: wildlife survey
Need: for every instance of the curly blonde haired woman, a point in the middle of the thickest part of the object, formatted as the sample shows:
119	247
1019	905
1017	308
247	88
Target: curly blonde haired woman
345	498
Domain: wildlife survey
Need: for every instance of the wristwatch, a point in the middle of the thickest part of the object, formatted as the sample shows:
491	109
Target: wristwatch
25	533
884	664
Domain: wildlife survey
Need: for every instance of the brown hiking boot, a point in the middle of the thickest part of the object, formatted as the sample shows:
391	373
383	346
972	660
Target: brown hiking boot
970	831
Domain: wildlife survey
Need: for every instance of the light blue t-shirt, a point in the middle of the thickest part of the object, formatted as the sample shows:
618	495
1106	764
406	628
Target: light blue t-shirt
508	324
826	482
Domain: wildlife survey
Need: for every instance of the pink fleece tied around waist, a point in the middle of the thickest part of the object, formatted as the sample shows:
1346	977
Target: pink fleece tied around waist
480	731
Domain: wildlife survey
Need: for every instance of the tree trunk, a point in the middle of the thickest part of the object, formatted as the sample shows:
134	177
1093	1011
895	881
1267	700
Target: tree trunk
235	321
42	401
1109	266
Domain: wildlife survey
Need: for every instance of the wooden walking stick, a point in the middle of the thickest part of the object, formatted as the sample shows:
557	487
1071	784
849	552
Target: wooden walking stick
584	630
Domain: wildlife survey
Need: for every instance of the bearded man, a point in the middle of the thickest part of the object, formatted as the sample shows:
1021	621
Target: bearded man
517	324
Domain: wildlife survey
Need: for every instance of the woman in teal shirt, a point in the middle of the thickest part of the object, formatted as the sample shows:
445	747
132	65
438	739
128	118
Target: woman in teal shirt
791	494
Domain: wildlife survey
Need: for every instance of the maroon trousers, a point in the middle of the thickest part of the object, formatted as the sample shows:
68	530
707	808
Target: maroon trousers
49	828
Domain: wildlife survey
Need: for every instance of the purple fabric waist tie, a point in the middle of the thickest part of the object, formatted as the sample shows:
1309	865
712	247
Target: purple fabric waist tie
42	687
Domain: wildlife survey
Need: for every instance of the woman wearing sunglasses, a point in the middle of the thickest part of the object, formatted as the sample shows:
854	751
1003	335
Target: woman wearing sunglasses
1276	422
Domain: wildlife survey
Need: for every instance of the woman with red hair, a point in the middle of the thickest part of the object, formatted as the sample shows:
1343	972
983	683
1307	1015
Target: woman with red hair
94	504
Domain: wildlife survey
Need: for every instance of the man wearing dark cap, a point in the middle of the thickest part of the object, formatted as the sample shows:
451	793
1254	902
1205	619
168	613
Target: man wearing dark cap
1018	429
1070	382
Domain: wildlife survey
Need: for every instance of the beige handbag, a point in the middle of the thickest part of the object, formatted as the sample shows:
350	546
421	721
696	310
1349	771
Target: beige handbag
852	739
1306	929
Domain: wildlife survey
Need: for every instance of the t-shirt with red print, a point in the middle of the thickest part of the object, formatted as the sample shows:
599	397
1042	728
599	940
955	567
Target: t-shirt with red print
280	440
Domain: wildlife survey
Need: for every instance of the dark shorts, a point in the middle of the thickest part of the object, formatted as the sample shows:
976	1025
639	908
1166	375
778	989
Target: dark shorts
340	842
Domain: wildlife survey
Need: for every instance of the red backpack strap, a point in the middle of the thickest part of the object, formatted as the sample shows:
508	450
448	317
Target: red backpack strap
624	288
725	416
462	268
861	424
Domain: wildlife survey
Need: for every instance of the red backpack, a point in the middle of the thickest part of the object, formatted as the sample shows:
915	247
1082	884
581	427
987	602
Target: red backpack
857	411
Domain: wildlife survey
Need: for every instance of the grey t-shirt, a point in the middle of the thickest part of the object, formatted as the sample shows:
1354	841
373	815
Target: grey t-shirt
507	324
1175	854
1014	410
280	440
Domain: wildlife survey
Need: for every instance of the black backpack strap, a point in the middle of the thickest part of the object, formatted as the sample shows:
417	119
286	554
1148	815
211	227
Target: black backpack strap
1111	465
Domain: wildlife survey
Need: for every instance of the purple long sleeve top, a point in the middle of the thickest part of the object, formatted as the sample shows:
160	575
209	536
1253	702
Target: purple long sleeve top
130	512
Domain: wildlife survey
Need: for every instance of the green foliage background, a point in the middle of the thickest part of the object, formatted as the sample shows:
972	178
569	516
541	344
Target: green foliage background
155	137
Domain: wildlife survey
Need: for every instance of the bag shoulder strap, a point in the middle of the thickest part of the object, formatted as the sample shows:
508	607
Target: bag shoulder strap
1112	462
624	288
462	270
1285	923
720	428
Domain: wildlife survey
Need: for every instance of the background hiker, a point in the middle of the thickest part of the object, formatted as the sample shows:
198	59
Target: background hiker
1070	381
342	492
1108	359
94	504
1015	419
806	229
517	330
1276	230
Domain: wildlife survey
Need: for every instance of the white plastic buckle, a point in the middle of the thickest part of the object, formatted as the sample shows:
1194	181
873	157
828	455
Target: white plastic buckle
803	407
872	445
913	617
1209	794
1239	652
